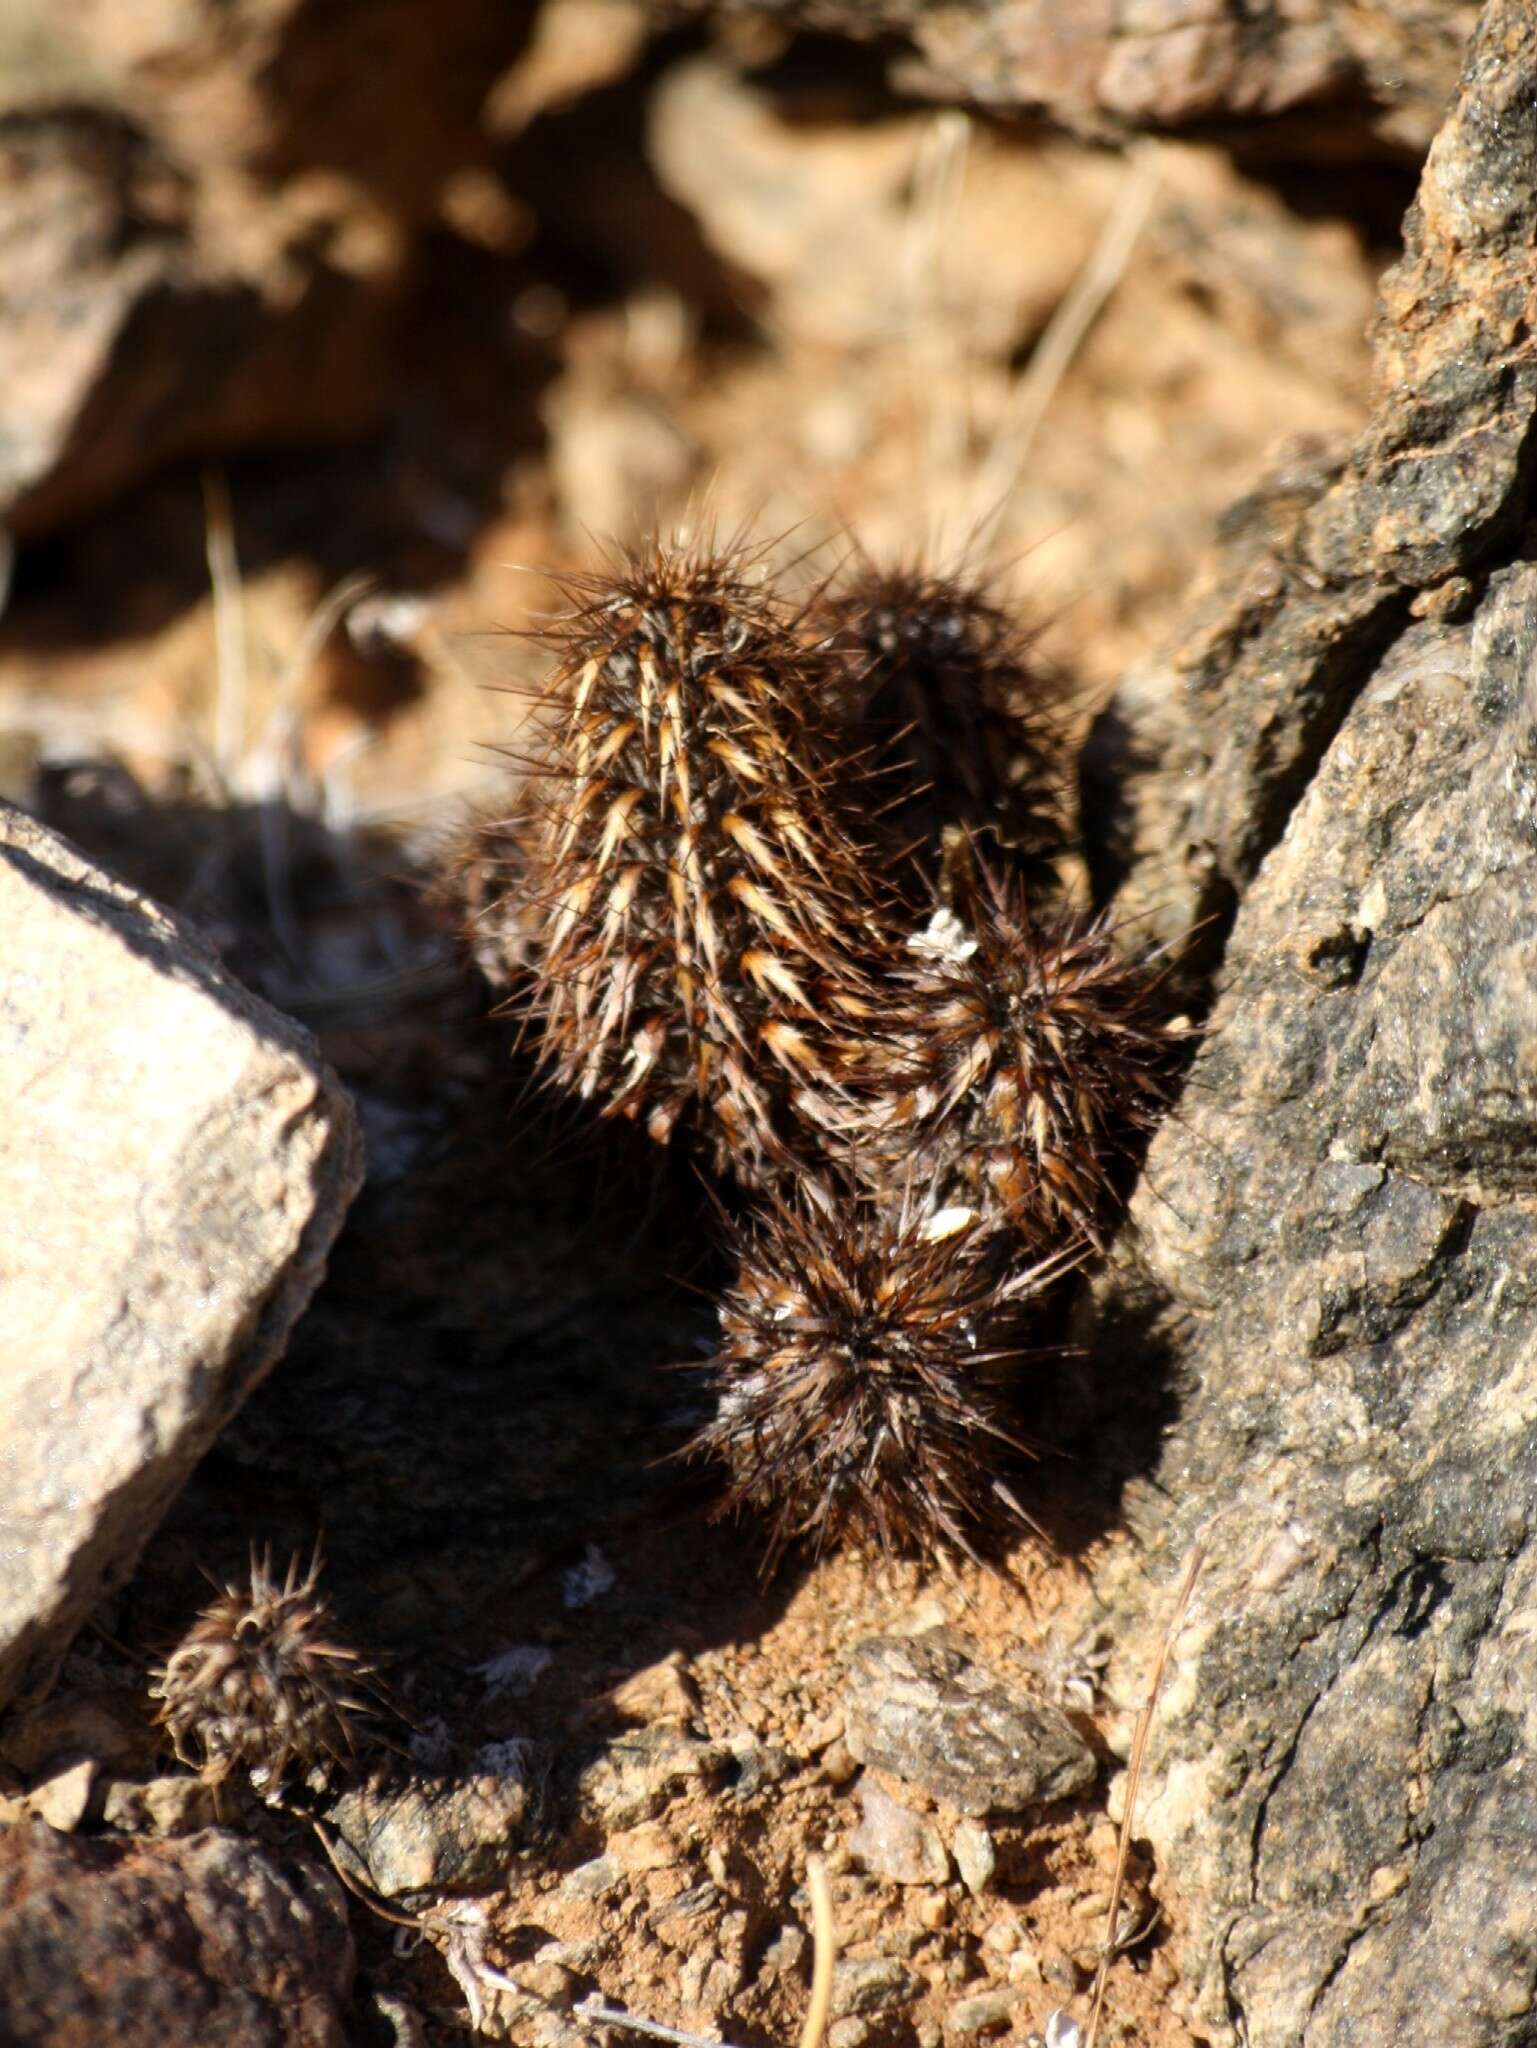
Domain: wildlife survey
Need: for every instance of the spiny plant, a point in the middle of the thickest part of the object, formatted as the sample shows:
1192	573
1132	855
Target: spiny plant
694	904
857	1386
960	717
1032	1055
928	1073
260	1682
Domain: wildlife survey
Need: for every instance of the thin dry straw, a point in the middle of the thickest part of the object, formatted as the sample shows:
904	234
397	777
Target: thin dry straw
1133	1780
1063	336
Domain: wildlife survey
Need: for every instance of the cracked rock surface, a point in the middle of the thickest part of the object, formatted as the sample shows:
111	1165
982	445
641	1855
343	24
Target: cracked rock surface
1334	1242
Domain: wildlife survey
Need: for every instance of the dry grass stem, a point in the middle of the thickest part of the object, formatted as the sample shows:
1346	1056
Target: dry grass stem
1064	335
824	1938
230	663
1133	1779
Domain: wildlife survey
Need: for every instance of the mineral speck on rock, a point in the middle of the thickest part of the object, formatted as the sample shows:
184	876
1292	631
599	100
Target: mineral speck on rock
927	1710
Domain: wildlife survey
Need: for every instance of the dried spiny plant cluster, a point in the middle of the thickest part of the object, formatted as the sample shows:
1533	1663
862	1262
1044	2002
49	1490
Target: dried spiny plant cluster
260	1683
786	879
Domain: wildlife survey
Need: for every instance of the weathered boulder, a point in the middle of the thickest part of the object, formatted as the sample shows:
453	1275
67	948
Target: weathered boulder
174	1164
1335	1238
200	1943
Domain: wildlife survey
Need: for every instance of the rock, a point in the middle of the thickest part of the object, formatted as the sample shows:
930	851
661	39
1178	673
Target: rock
440	1835
64	1799
1356	80
108	1725
758	1765
1323	566
872	1984
169	1944
651	1846
1331	1253
593	1879
682	1921
895	1843
661	1692
981	2011
174	1163
927	1710
640	1773
163	1806
975	1857
849	2033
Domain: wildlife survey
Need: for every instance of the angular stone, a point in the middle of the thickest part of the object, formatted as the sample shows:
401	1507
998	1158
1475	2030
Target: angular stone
893	1842
872	1984
640	1773
175	1161
975	1856
440	1835
188	1944
927	1710
981	2011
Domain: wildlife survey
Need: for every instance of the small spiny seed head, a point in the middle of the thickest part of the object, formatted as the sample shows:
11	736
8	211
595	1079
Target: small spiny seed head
260	1683
858	1376
957	713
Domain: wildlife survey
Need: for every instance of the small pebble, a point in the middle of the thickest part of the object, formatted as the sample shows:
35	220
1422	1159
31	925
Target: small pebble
849	2033
837	1765
592	1880
63	1800
895	1843
651	1846
975	1857
983	2010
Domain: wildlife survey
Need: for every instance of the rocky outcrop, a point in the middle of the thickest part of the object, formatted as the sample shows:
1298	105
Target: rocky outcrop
207	220
1334	1239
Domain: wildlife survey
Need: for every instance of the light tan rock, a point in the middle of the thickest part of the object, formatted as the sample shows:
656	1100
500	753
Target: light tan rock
175	1161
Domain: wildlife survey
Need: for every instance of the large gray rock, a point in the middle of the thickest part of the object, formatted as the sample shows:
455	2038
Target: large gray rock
175	1161
1335	1239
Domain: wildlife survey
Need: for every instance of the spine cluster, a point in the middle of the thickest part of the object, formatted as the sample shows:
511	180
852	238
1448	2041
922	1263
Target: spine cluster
785	880
261	1683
